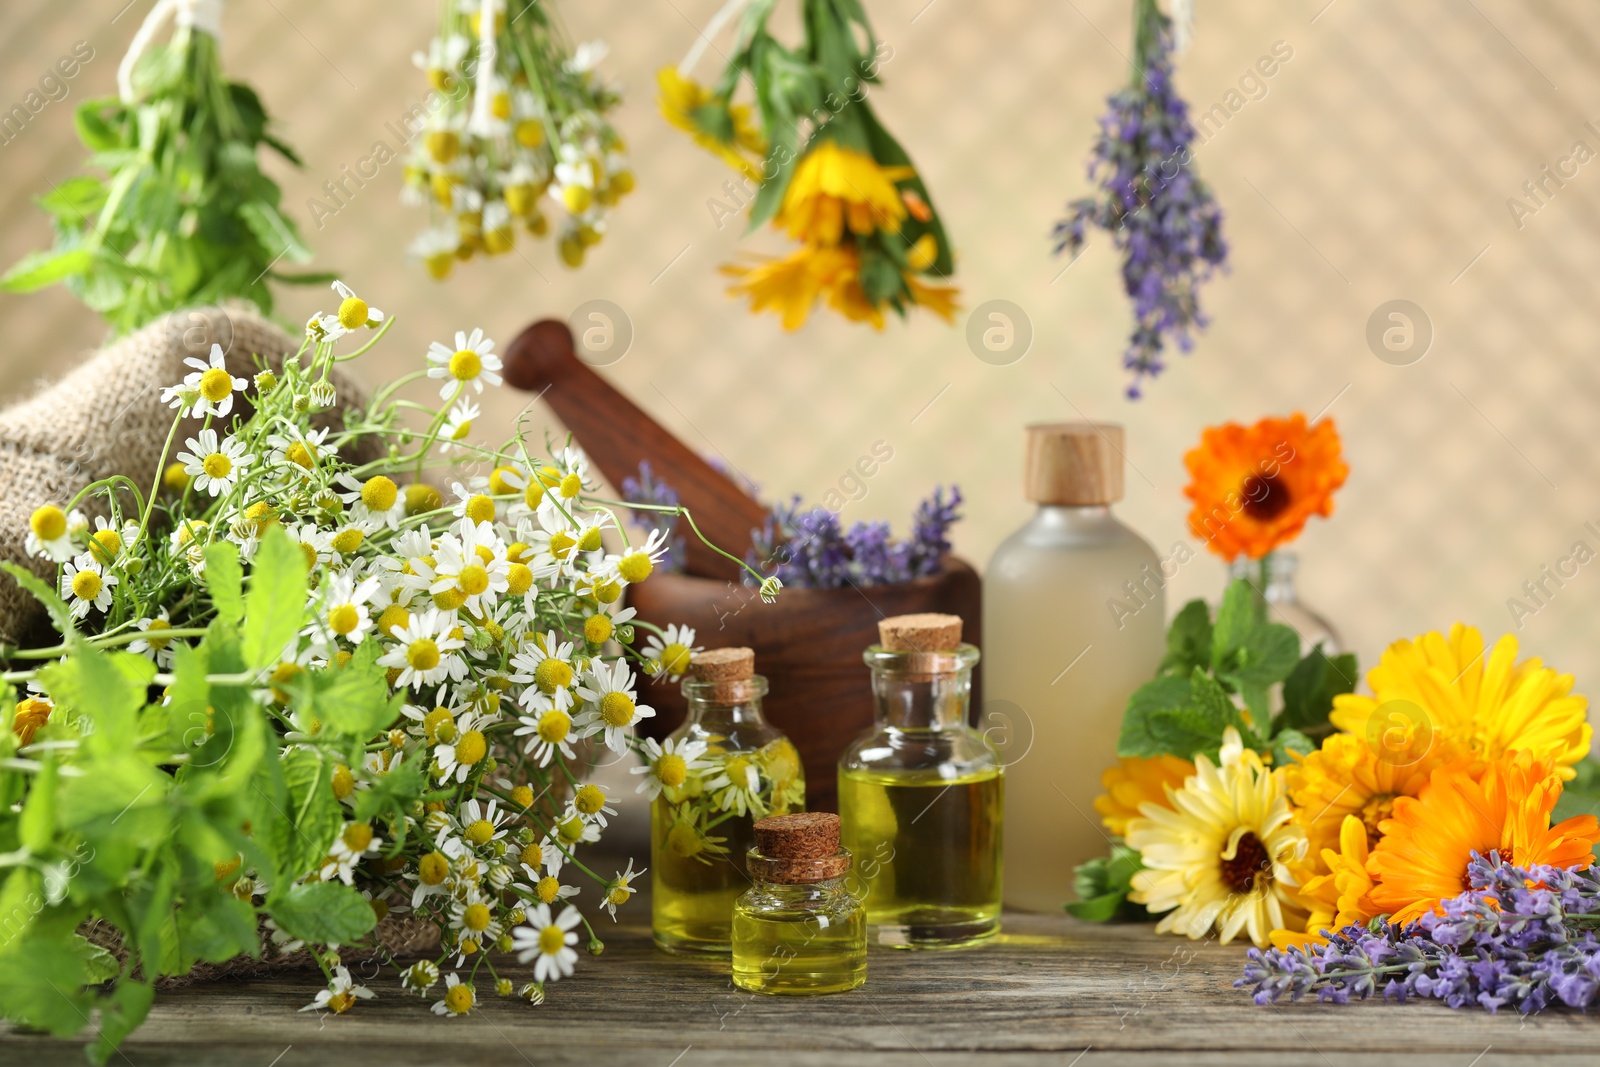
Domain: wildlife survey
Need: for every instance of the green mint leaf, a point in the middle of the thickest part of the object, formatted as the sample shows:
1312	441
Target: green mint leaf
1163	693
275	605
312	817
41	985
1286	743
1188	640
353	700
36	270
1309	690
225	580
323	913
54	606
120	1015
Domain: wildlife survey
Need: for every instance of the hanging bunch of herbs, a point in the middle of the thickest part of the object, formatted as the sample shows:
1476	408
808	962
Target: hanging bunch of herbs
183	214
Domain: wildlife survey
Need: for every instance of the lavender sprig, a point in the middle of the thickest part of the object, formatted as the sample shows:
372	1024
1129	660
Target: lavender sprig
1500	943
647	489
1162	217
809	548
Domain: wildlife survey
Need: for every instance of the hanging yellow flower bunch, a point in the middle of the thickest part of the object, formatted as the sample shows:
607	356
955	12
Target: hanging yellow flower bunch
817	166
513	129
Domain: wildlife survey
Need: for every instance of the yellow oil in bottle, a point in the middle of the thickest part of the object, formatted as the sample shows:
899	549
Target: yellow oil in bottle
798	950
928	852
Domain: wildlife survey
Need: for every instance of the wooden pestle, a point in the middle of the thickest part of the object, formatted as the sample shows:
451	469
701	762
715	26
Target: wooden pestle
617	435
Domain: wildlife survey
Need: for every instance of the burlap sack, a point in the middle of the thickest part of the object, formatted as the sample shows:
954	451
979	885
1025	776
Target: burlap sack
106	417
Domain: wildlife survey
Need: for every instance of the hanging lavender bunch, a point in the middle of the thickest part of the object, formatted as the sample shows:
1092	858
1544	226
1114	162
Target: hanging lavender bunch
1162	217
1501	943
809	548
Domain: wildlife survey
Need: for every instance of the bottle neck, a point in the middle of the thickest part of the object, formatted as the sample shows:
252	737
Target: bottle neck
1272	576
921	690
719	705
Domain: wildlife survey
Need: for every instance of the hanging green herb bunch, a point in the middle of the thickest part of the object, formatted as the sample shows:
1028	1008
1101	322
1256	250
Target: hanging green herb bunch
184	215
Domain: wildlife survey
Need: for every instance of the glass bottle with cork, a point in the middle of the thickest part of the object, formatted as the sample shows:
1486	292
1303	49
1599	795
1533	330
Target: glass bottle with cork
920	796
799	930
723	769
1074	616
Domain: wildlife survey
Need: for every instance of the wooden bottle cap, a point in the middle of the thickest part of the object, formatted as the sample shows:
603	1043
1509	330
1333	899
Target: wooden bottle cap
729	671
799	848
1073	463
926	632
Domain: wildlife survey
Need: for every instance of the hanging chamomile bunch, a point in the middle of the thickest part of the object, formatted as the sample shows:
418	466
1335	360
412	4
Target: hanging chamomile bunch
815	162
184	216
516	127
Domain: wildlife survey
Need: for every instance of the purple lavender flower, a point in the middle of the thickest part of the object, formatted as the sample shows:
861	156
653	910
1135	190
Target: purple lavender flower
1162	217
1499	944
809	548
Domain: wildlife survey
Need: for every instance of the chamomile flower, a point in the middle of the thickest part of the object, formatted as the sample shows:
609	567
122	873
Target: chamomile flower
377	499
341	994
549	889
214	464
458	426
636	564
472	919
472	362
480	824
425	650
548	941
546	670
50	535
297	448
668	654
353	314
611	706
152	644
602	625
85	585
458	757
590	803
548	733
345	608
737	785
436	248
420	977
208	390
459	997
621	889
770	588
669	764
431	876
470	569
111	540
354	842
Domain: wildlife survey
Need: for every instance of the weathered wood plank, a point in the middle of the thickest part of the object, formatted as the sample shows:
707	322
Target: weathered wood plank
1049	990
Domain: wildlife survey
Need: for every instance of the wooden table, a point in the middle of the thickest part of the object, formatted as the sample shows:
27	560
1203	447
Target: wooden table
1051	990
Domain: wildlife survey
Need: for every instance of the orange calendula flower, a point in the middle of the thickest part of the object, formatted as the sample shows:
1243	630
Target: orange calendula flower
1135	781
1254	487
791	286
682	101
1452	688
1423	855
30	715
1339	897
834	187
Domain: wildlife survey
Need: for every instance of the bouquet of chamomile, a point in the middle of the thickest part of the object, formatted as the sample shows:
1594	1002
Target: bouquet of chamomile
296	692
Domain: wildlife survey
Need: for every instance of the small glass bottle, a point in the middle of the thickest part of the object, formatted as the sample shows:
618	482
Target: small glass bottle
731	769
921	795
1272	576
798	930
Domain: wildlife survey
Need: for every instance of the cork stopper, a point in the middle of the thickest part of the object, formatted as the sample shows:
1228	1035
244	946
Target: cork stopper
799	848
925	632
729	671
1073	463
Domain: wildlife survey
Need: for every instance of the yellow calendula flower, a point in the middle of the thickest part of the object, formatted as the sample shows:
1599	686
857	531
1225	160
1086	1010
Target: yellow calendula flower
1218	858
791	286
834	187
679	100
1339	897
1134	782
1453	687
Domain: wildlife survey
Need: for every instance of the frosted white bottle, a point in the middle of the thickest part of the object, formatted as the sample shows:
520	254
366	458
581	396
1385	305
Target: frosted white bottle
1074	620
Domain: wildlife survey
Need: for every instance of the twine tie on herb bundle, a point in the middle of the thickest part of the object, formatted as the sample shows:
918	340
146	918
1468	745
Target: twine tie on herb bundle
202	15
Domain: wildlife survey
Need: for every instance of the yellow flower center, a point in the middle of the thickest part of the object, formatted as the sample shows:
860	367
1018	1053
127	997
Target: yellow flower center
156	625
175	479
517	552
738	771
357	836
675	658
571	831
353	312
340	1003
552	939
391	618
309	551
499	483
561	543
532	855
215	384
423	654
635	567
105	545
301	454
379	493
474	579
597	629
344	783
618	895
552	674
458	998
450	599
672	769
607	592
344	618
571	486
217	465
533	495
616	709
480	833
465	365
348	539
522	796
49	522
553	726
589	799
519	579
684	840
421	498
476	917
480	509
439	725
86	585
471	748
548	889
432	868
590	539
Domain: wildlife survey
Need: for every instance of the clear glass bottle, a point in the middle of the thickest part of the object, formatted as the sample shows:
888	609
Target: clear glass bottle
1273	578
701	829
920	796
1074	620
799	930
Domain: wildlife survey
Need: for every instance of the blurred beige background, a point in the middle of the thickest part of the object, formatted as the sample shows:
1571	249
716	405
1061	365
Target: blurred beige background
1377	166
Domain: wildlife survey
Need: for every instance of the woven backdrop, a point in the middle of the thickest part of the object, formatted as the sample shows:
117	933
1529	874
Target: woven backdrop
1376	164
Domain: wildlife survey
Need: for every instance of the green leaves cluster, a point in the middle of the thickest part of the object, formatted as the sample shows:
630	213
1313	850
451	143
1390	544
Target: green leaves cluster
184	216
1213	666
154	793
